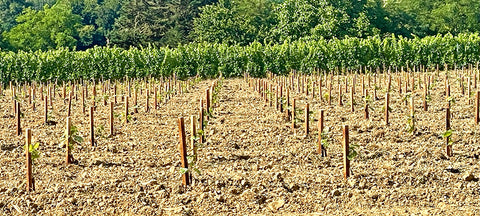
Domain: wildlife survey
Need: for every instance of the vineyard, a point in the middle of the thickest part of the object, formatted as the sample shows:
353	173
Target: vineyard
209	60
400	142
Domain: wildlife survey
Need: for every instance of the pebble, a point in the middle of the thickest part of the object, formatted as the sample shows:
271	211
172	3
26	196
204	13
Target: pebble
336	192
469	177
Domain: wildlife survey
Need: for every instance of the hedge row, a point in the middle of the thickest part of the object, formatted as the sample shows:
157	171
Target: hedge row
208	60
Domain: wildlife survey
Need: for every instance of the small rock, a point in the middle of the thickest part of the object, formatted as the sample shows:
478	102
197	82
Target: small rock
150	183
72	200
336	192
275	205
469	177
220	198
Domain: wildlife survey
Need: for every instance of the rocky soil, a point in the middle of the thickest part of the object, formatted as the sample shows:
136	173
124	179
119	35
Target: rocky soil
252	162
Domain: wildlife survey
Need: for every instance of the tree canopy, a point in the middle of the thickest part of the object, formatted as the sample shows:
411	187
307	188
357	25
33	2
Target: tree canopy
83	24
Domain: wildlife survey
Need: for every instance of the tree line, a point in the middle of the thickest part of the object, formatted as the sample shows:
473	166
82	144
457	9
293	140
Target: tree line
31	25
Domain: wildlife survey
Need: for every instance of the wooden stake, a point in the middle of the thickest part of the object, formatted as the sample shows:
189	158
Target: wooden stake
111	119
293	114
183	151
339	95
288	103
193	125
46	109
30	181
447	127
307	119
387	104
201	119
346	151
92	132
147	108
18	113
69	157
321	149
367	116
126	109
207	97
69	103
477	106
352	107
425	105
135	101
330	92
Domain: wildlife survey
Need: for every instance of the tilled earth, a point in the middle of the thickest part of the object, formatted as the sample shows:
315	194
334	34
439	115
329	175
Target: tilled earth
251	163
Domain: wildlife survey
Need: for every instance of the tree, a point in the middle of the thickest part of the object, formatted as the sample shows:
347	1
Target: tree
163	23
141	22
9	10
235	22
98	18
50	28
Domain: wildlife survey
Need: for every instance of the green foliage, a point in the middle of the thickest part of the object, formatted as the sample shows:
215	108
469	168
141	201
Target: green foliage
33	150
324	136
208	60
448	134
410	126
428	98
352	151
235	22
73	139
451	100
50	28
100	131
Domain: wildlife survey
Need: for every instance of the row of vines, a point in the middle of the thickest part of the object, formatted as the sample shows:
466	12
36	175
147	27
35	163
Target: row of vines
208	60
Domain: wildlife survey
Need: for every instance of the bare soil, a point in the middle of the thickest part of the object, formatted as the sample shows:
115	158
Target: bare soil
251	163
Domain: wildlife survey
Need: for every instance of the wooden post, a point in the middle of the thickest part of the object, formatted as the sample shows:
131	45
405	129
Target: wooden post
135	101
288	103
346	151
387	104
307	119
339	95
115	92
352	107
412	113
126	109
321	150
281	98
30	181
147	108
320	88
207	97
92	133
84	92
111	119
69	103
330	92
201	119
366	106
155	102
425	105
194	136
293	114
67	148
447	127
46	109
183	150
18	113
477	103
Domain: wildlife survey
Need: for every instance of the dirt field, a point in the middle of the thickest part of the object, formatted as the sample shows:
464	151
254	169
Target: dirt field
252	162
